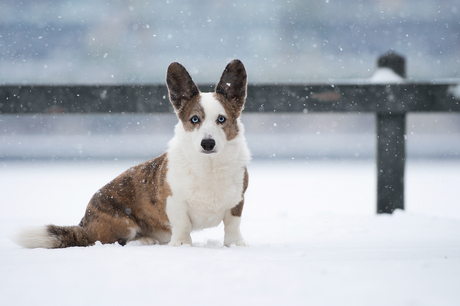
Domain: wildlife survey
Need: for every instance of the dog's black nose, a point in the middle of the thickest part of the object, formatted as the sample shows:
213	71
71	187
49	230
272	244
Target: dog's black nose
208	144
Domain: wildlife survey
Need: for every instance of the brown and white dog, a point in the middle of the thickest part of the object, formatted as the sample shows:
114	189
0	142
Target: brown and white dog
199	182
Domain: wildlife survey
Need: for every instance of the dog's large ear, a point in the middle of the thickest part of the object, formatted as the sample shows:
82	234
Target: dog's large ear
232	84
180	85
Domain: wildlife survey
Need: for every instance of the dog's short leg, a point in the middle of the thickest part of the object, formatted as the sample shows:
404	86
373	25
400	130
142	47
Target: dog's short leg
181	233
181	226
232	230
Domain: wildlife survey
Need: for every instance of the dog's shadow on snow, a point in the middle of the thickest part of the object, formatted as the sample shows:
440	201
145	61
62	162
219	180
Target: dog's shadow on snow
210	244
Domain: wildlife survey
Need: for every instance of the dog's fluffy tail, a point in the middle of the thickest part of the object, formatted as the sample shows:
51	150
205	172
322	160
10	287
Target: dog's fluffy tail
52	237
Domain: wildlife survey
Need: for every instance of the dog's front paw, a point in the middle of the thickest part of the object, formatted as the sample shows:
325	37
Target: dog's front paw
180	242
239	243
181	238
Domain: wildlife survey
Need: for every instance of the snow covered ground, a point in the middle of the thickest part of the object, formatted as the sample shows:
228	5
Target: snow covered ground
314	240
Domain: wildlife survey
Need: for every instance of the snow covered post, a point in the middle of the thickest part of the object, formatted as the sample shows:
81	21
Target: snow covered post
391	144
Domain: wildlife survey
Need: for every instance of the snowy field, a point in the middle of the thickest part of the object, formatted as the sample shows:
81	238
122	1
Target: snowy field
313	234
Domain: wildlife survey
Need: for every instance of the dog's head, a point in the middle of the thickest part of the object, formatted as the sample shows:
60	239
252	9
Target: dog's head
210	118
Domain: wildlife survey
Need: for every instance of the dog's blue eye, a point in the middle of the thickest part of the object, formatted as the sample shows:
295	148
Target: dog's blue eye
195	119
221	119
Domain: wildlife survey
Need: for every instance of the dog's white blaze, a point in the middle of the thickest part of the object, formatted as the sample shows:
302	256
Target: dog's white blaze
209	128
204	186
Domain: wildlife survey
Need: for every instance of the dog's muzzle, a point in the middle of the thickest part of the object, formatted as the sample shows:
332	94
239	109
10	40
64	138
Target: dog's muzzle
208	145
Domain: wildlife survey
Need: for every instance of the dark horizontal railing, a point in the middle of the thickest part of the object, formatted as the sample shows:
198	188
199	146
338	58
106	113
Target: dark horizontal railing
390	103
393	98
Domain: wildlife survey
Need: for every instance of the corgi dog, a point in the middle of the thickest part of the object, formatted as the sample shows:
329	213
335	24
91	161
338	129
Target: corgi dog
199	181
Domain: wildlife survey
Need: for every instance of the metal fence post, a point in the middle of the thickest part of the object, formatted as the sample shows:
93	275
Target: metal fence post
391	147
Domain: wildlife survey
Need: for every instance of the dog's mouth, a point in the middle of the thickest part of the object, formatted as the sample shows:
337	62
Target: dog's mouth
208	152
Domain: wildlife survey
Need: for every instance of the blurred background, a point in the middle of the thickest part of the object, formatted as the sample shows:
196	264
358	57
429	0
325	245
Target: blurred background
297	41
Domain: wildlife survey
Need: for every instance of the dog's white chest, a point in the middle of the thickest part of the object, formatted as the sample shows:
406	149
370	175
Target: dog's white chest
205	196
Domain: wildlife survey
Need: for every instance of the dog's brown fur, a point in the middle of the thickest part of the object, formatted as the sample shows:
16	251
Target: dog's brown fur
237	211
132	203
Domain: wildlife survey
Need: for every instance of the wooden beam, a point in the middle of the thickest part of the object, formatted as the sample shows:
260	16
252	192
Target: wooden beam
364	98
